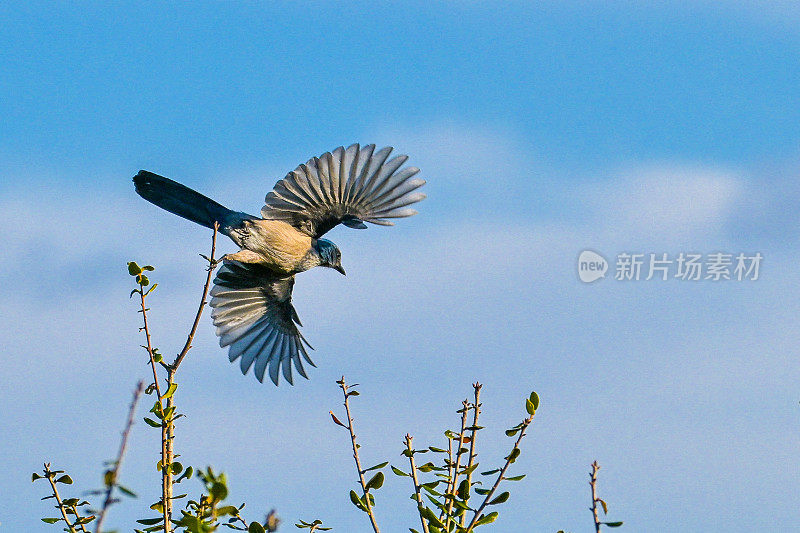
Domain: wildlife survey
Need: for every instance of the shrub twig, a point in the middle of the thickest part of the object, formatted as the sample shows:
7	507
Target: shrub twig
476	411
211	264
367	504
509	459
50	475
408	441
111	475
452	484
168	427
595	499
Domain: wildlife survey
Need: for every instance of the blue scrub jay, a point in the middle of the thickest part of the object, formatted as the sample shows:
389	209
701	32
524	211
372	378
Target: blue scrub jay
252	293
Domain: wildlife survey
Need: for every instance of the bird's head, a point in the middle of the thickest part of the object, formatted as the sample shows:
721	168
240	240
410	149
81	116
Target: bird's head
329	255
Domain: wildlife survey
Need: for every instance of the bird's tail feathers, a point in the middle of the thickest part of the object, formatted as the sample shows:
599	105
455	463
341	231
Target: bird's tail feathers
181	200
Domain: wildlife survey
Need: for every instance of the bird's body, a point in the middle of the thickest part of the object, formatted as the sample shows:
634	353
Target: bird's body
252	292
275	244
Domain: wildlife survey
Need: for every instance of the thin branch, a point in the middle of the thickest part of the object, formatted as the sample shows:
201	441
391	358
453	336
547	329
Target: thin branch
167	457
453	486
368	506
146	329
61	507
409	440
487	499
168	424
595	499
167	517
74	508
190	338
472	454
111	482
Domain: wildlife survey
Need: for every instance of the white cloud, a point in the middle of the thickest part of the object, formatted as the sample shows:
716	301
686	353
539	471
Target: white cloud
665	204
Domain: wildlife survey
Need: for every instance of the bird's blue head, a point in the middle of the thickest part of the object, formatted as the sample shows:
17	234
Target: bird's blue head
329	254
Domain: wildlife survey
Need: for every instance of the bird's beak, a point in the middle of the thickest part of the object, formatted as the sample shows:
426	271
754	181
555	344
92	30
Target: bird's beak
340	269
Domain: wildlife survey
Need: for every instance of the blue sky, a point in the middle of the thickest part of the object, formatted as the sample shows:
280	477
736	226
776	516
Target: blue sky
542	131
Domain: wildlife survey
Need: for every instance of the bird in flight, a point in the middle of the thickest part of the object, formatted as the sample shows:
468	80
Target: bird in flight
252	293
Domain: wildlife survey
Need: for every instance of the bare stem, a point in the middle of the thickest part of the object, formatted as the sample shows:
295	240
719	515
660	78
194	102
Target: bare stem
368	506
168	423
111	482
61	507
408	441
453	484
167	457
77	518
190	338
476	411
146	329
490	494
595	499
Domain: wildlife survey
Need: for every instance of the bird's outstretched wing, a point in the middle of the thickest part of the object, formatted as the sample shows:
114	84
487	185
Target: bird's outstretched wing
349	186
254	315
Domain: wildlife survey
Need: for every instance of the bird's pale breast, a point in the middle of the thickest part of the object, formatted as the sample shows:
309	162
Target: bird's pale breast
281	245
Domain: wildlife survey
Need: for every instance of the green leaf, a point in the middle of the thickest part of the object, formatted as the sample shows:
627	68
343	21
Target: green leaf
490	472
488	519
170	390
36	476
357	501
148	267
470	469
463	490
427	467
432	519
65	479
134	269
228	510
603	503
534	399
177	468
500	499
376	466
151	422
149	521
218	491
529	407
376	482
511	432
255	527
515	478
612	524
186	474
399	472
513	455
51	520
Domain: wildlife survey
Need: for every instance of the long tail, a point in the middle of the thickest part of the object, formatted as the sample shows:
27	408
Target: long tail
182	200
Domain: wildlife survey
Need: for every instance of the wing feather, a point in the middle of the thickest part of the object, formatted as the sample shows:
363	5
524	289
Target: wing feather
349	185
254	316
